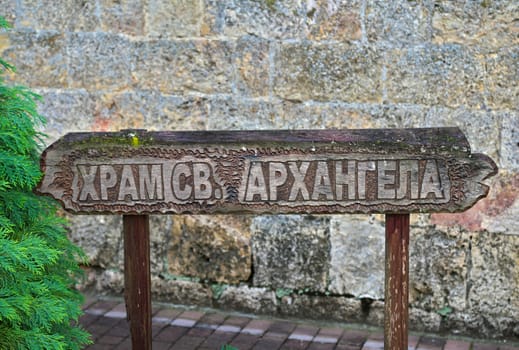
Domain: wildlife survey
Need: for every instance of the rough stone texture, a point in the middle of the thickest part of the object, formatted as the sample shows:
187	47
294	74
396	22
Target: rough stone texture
174	18
357	257
215	248
40	57
489	24
327	72
105	65
248	299
126	16
501	68
291	252
178	67
59	15
332	308
438	279
235	18
180	292
445	75
398	23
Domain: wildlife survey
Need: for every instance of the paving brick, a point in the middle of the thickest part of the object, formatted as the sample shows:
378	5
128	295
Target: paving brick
257	327
268	344
165	315
456	345
353	337
412	342
171	334
430	343
125	345
217	339
110	340
480	346
304	333
372	344
101	307
119	311
159	345
244	341
282	327
321	346
188	342
295	344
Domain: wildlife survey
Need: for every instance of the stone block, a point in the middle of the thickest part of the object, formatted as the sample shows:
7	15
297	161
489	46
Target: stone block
509	148
398	23
248	299
487	24
181	292
445	75
481	325
334	20
316	307
173	18
39	57
110	282
98	61
438	269
471	122
215	248
339	115
230	113
291	252
168	112
357	256
66	111
327	72
493	275
99	236
126	16
184	66
501	73
252	62
275	20
61	16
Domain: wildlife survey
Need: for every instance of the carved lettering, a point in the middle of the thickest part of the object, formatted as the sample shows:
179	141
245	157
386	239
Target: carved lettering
127	185
150	182
181	188
256	186
322	184
88	189
108	179
201	181
299	186
278	177
386	179
348	179
431	183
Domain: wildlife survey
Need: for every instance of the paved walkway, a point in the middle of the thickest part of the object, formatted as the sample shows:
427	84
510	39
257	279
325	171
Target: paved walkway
184	329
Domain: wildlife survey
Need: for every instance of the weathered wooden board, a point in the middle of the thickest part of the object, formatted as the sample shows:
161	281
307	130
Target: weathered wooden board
304	171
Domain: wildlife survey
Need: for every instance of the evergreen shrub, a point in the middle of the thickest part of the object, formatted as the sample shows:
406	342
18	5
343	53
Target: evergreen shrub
39	307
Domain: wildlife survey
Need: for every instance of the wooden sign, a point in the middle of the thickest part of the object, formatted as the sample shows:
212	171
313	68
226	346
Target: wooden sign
320	171
392	171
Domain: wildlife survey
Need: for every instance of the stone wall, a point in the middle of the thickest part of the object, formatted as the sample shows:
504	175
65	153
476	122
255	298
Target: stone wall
258	64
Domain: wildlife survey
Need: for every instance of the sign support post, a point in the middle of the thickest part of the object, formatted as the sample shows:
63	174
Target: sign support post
396	289
137	280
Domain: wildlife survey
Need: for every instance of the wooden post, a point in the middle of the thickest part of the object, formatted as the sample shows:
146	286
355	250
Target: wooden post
396	314
137	281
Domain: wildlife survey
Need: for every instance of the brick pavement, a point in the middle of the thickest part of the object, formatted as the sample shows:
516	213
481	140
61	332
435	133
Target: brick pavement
184	329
